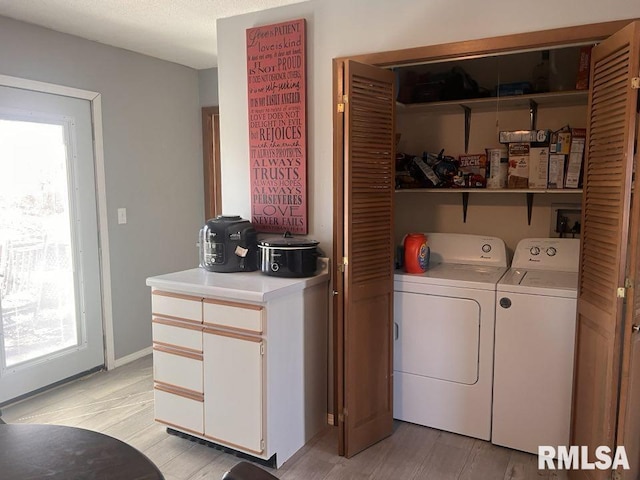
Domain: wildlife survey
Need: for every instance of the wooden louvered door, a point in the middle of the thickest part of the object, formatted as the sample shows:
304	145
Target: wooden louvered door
609	243
628	432
364	238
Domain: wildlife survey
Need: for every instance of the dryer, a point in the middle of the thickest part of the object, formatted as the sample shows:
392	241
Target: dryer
444	328
535	338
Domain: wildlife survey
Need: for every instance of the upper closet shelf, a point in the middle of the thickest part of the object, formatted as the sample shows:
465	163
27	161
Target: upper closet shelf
490	190
555	99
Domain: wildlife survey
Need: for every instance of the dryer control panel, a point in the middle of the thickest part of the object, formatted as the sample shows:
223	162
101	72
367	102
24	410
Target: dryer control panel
558	254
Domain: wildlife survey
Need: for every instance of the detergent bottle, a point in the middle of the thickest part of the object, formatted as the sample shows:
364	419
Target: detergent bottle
416	253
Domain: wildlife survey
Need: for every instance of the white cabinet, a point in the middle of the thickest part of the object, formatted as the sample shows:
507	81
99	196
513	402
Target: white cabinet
243	367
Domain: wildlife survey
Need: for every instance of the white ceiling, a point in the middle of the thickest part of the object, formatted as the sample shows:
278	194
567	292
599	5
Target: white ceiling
181	31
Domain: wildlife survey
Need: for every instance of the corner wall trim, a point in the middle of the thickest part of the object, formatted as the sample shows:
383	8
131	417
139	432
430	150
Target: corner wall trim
119	362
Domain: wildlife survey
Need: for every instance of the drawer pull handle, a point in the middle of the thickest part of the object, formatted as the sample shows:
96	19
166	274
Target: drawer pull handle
180	353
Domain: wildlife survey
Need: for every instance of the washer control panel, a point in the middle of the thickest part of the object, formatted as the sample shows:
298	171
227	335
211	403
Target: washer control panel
561	254
467	249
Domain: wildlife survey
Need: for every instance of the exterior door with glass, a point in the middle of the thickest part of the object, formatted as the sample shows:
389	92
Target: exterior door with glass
50	301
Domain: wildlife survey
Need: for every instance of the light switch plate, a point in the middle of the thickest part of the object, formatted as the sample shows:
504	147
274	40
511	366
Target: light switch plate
122	216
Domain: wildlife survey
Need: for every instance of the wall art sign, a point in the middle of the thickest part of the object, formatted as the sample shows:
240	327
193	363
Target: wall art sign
276	78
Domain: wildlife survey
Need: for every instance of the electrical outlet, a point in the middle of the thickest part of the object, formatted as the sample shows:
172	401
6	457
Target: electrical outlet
122	216
565	220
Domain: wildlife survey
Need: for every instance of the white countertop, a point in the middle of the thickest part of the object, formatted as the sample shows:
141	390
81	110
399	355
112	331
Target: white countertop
244	286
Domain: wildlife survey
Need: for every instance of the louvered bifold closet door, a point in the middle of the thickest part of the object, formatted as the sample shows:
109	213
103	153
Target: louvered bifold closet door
628	431
605	241
369	160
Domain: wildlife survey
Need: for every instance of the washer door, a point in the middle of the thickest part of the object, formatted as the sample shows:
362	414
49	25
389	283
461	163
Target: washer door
437	337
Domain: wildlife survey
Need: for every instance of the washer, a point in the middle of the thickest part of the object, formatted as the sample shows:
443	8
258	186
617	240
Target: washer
444	327
535	338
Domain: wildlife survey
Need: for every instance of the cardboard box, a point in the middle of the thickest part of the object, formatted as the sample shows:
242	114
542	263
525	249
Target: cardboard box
561	142
518	176
524	136
556	170
474	170
582	81
576	157
538	166
497	167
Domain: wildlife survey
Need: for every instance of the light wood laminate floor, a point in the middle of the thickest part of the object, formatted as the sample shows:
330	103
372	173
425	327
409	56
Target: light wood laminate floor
120	403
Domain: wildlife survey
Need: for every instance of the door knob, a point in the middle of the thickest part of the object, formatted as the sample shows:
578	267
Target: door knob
635	328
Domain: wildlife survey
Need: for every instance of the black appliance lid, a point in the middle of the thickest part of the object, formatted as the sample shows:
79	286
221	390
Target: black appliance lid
226	218
288	240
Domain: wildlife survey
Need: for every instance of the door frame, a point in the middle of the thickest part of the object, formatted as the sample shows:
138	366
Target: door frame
211	159
536	40
95	101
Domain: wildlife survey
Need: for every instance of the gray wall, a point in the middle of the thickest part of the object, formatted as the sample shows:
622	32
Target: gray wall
153	157
208	87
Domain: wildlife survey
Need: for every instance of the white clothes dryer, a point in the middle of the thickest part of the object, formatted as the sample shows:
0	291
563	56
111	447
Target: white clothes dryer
535	338
444	328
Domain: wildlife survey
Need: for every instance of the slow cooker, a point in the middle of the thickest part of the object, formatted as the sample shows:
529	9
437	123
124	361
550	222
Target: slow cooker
287	256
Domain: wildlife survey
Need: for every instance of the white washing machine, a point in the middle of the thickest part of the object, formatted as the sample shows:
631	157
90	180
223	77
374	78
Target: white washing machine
535	338
444	327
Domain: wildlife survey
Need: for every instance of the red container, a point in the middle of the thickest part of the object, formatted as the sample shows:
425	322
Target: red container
416	253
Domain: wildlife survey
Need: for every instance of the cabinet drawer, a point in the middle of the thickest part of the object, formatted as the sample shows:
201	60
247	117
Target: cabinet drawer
177	369
174	334
179	411
240	316
174	305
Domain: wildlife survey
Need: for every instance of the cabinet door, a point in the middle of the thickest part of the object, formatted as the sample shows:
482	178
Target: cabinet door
233	390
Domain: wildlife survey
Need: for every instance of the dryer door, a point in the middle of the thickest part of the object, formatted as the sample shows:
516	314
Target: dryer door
437	337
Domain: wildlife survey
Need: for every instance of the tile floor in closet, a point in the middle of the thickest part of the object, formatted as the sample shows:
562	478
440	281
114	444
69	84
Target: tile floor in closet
120	403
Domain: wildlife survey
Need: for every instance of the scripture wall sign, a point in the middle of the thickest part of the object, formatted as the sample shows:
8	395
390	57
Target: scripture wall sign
276	80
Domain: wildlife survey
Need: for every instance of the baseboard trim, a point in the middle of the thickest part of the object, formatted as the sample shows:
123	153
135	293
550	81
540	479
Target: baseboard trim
132	357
